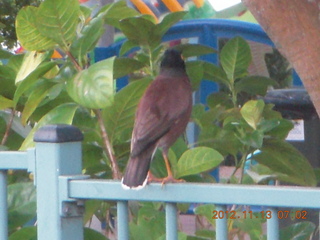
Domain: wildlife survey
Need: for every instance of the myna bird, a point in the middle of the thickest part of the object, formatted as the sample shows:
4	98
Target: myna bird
161	117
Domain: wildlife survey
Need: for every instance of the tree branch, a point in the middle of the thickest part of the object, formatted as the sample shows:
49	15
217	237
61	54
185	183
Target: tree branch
9	124
108	147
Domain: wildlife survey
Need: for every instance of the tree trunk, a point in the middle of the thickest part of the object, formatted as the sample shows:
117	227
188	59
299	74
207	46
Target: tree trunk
294	27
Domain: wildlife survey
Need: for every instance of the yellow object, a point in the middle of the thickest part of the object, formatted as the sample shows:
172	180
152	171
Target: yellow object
143	8
198	3
173	5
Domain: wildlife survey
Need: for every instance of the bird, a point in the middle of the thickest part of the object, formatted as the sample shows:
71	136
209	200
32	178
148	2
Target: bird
161	117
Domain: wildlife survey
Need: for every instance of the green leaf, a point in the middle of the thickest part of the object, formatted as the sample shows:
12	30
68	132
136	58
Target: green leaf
34	76
214	73
235	58
34	100
195	73
27	32
90	234
123	66
5	54
5	103
113	13
219	98
91	207
151	223
58	20
62	114
255	85
25	233
30	63
126	46
252	112
16	126
138	30
206	211
194	50
21	204
298	231
198	160
93	87
286	162
119	117
167	22
88	39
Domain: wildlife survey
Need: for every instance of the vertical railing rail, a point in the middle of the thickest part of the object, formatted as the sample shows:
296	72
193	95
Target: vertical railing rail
3	206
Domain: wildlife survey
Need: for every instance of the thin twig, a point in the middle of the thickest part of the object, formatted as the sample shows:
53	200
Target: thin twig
108	147
9	124
74	61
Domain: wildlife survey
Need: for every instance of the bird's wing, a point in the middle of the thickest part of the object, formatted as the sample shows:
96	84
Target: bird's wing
157	111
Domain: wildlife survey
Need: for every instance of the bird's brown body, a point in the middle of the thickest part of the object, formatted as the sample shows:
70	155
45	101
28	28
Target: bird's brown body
162	116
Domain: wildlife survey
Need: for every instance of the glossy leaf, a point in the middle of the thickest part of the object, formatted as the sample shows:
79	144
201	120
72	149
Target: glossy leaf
93	87
298	231
58	20
287	162
34	76
127	46
90	234
28	33
63	114
25	233
214	73
235	58
30	63
194	70
168	21
119	117
88	39
137	29
5	54
124	66
34	100
219	98
194	50
21	204
198	160
206	211
255	85
5	103
113	13
252	112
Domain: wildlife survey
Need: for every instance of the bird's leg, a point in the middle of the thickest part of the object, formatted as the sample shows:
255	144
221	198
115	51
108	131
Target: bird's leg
152	178
170	177
167	179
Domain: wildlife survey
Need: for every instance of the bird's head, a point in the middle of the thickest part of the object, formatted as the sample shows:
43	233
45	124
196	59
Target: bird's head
172	58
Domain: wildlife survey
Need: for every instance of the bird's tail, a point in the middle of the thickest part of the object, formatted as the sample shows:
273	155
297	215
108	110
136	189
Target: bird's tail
136	173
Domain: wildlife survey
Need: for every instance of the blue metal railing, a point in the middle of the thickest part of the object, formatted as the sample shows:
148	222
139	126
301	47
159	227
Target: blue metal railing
61	191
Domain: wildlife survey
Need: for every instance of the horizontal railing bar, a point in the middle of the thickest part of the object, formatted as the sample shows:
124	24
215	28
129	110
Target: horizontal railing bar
282	196
13	160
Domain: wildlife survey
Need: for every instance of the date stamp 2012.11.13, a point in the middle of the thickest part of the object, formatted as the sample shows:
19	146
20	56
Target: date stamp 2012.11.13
281	214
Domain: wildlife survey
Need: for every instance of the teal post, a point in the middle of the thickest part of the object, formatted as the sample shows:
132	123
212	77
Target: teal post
58	153
221	224
273	225
171	221
123	220
3	205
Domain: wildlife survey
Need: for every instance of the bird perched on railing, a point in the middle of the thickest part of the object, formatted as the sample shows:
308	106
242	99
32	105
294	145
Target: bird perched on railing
161	117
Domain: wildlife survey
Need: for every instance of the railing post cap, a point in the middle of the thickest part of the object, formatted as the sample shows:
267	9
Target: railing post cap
58	134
